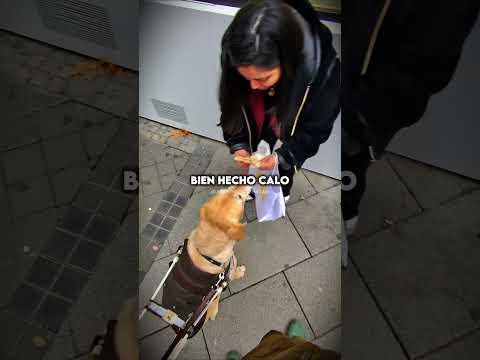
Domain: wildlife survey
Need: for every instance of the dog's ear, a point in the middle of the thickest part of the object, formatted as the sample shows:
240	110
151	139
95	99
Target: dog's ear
236	231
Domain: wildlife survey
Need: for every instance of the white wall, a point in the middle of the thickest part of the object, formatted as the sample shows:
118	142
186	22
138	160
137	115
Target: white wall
180	66
448	134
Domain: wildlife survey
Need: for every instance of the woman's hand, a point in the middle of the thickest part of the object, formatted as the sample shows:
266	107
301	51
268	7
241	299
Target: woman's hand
244	153
268	162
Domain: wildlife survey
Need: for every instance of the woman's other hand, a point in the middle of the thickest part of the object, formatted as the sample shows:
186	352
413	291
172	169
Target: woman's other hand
243	153
268	162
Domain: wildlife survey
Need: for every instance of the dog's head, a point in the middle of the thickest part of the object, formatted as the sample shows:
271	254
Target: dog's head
225	211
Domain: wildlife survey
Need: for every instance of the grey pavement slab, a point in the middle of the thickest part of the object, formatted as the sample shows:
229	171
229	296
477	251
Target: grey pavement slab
164	251
97	137
20	99
116	205
320	182
431	186
81	89
365	333
386	198
318	219
71	117
424	273
30	196
19	133
211	145
154	152
150	181
12	329
5	212
301	189
166	180
63	119
116	99
187	221
244	318
23	241
154	346
61	347
316	283
67	182
465	349
63	152
23	163
33	344
269	248
103	296
331	340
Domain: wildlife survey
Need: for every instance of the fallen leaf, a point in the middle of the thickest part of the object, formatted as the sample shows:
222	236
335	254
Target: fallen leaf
92	69
179	133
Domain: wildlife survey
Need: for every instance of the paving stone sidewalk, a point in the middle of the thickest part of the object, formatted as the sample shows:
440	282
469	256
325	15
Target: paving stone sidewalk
412	289
293	264
69	234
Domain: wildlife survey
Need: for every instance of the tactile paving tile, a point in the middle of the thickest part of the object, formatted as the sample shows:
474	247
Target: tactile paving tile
59	273
174	200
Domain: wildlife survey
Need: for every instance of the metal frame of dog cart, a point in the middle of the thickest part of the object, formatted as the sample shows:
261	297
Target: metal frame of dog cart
186	327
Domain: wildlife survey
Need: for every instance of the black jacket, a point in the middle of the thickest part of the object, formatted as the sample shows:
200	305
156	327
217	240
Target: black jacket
388	79
314	99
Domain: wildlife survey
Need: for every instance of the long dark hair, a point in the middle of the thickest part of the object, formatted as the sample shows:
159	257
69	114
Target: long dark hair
263	33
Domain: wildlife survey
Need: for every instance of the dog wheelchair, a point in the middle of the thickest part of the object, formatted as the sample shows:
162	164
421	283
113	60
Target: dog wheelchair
184	321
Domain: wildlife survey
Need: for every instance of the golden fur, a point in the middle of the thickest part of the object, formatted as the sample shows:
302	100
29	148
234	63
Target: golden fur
217	233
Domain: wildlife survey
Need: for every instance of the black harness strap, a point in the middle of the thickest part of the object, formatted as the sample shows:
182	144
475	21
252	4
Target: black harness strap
213	261
190	277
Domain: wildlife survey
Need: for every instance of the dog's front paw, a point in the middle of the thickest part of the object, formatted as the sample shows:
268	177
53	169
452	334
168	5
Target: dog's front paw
240	271
212	311
210	316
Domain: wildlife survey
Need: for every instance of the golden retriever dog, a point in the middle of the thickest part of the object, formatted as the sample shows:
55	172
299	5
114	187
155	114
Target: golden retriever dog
214	238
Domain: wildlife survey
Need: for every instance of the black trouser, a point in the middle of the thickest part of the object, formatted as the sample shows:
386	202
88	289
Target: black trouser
358	165
356	159
286	188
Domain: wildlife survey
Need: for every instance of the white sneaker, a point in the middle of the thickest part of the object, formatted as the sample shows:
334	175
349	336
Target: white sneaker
287	198
351	225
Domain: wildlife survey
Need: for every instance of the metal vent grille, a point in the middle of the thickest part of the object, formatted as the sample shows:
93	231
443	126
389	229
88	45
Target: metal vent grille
79	19
170	111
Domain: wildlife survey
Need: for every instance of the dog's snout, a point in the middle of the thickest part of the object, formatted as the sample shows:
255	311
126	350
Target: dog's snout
246	189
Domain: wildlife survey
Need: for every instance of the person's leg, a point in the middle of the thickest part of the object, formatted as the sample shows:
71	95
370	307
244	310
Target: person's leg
354	181
278	346
289	173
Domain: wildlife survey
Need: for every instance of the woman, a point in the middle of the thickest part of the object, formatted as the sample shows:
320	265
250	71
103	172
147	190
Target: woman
280	81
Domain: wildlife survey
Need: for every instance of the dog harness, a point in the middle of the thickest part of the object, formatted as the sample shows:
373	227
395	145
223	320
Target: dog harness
187	286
